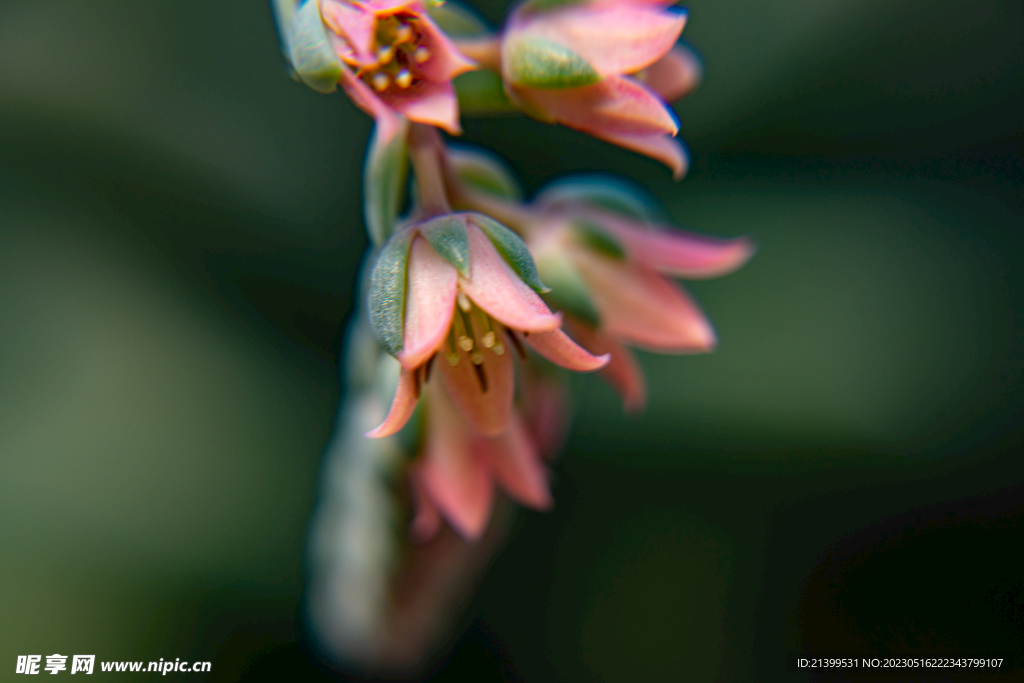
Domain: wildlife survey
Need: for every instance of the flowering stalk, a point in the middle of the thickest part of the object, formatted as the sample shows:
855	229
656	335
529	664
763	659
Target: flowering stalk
474	303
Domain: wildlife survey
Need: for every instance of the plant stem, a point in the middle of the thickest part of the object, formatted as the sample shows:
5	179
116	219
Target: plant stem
426	151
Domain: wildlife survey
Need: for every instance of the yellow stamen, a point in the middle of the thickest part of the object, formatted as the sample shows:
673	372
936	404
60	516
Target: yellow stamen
403	79
404	34
488	339
385	54
421	54
498	349
380	81
477	358
464	303
465	343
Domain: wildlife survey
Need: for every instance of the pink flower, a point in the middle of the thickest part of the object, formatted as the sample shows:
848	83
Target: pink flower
602	67
443	288
395	60
612	276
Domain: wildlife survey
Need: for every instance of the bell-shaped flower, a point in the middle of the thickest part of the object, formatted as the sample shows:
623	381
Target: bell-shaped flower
455	474
610	271
603	67
388	55
463	287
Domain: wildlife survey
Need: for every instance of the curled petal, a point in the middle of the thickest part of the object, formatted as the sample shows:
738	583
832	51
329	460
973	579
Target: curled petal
614	38
430	303
676	74
639	306
616	106
674	252
559	349
401	406
455	476
483	393
623	372
430	102
659	147
445	62
517	466
494	287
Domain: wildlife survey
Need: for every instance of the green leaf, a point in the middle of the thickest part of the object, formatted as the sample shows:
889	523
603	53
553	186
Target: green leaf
538	63
457	20
592	235
386	299
603	192
305	44
384	179
484	171
448	236
569	292
512	249
482	92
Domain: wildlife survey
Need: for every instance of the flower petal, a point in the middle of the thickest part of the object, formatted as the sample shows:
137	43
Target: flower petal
623	372
517	467
494	287
427	520
445	62
676	74
558	348
429	305
353	23
366	99
483	393
639	306
675	252
613	37
406	395
455	477
659	147
616	106
545	410
429	102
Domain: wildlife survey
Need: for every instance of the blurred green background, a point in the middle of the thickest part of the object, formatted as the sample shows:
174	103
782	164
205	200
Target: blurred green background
179	233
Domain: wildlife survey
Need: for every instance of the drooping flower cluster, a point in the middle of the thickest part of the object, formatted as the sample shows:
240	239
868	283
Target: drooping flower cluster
478	298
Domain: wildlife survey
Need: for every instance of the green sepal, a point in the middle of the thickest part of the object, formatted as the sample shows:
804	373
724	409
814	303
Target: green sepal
593	235
306	45
386	299
602	192
448	236
484	171
569	292
538	63
384	177
457	20
512	249
482	92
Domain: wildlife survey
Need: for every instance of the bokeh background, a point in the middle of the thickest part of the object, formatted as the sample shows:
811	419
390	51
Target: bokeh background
179	233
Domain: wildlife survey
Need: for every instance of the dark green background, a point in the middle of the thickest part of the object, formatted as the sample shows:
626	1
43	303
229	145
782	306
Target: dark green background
179	232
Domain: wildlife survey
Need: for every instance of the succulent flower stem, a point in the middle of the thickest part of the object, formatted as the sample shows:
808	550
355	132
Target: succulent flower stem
426	152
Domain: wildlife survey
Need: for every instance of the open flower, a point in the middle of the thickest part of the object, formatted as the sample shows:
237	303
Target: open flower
388	55
463	287
610	273
575	63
